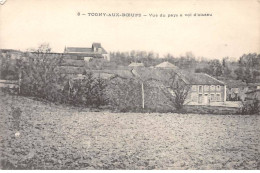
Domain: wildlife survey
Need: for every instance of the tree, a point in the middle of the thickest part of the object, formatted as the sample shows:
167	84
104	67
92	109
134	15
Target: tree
251	60
216	67
8	69
239	73
86	91
248	76
40	74
255	73
178	91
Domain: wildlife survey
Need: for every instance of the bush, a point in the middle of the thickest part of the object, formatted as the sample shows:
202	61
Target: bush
8	67
124	94
40	75
42	78
250	108
89	91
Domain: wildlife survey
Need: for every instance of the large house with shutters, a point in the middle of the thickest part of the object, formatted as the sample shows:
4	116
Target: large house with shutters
204	89
84	53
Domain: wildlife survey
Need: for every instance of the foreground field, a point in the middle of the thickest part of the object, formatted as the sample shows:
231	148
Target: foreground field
56	137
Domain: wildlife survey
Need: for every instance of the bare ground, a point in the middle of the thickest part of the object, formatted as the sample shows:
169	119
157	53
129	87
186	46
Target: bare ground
58	137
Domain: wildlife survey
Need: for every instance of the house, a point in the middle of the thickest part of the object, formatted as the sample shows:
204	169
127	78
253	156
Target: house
253	86
253	95
136	64
204	89
83	53
13	54
236	90
166	65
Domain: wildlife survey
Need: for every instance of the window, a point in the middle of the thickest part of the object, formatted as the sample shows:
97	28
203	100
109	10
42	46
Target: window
218	97
206	88
212	98
200	89
200	98
218	88
212	88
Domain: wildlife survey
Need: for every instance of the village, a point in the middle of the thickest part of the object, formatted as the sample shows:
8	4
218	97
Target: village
86	108
129	85
204	89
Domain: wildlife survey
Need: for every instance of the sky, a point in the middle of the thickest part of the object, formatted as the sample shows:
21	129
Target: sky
232	30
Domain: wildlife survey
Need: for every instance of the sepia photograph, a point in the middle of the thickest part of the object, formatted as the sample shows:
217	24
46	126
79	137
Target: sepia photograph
129	85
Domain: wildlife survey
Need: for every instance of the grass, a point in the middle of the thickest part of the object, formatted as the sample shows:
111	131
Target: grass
59	137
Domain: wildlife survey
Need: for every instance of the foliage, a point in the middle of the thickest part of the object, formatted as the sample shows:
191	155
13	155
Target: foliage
216	68
40	75
250	107
249	67
246	74
203	70
179	91
97	64
124	94
42	78
89	91
251	60
8	69
151	59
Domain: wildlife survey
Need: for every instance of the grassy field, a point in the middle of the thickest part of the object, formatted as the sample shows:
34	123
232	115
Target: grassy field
58	137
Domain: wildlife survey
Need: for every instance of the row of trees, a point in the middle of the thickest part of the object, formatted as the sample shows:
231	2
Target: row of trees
247	68
216	68
151	59
40	76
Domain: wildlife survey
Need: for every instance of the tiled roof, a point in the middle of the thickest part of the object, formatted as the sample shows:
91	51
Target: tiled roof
85	49
199	78
153	73
166	64
78	49
254	91
235	83
135	64
163	75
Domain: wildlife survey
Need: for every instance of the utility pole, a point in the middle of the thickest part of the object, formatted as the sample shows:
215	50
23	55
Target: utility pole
19	83
142	95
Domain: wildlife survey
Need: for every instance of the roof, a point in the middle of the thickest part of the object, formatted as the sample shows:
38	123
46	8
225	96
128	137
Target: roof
83	50
96	75
199	78
10	51
234	83
166	64
254	84
153	73
78	49
162	75
253	91
136	64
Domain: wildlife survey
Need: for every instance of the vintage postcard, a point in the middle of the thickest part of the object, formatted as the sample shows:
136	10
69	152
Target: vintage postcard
129	85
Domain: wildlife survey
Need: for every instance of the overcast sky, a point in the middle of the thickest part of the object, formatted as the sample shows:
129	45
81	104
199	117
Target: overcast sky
234	28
